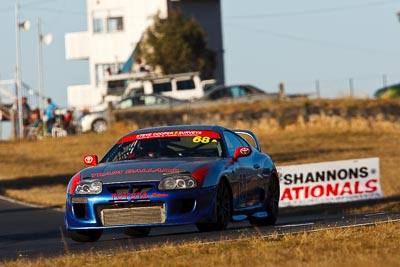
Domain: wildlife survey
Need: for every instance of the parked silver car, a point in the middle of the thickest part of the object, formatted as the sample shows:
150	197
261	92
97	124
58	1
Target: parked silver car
98	121
246	91
149	101
92	121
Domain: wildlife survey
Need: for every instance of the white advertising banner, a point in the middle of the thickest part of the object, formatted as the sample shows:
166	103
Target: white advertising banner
329	182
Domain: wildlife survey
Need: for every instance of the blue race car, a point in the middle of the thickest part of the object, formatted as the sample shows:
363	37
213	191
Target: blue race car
189	174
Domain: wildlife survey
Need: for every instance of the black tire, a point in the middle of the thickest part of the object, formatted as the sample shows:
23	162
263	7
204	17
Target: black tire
137	231
90	235
271	206
223	210
99	126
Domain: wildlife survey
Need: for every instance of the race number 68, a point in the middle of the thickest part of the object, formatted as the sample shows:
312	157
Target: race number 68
201	139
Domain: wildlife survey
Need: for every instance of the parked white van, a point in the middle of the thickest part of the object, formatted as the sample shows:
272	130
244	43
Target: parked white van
183	86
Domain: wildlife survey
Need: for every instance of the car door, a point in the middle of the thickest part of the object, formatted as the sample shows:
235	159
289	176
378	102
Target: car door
246	174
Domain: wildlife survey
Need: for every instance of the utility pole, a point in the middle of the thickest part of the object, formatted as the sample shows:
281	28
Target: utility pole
24	26
20	132
281	87
317	89
384	80
351	85
40	64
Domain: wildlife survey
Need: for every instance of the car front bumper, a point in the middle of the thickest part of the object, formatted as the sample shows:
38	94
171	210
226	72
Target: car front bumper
152	208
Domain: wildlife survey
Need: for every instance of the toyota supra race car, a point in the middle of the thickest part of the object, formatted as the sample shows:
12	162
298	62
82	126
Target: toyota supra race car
205	175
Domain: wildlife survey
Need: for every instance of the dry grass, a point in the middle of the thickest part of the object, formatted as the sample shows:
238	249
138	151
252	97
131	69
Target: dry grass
27	168
50	156
364	246
55	195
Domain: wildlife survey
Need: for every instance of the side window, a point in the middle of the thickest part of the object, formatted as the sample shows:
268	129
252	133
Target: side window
127	103
223	92
140	100
162	87
185	85
239	91
150	100
232	142
160	101
248	139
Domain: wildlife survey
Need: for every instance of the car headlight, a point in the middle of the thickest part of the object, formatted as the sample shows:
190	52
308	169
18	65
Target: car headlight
89	187
177	182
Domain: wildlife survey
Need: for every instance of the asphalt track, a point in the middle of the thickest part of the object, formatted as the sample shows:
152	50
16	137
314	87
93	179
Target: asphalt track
29	231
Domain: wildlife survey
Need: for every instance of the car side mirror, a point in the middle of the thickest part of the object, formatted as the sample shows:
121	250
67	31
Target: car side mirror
242	151
91	160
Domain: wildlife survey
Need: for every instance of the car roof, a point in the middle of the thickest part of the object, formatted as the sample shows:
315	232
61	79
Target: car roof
236	85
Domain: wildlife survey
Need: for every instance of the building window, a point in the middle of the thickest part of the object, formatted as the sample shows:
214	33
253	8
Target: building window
98	25
101	71
115	24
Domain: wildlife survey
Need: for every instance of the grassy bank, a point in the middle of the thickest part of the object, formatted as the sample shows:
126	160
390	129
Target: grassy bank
364	246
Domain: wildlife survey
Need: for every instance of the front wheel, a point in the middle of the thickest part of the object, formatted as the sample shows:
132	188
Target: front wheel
222	210
89	235
271	206
99	126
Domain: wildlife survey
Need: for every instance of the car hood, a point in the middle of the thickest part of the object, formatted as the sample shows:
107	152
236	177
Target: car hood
144	170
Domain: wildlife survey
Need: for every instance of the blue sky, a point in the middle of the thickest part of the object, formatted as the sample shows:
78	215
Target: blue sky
265	42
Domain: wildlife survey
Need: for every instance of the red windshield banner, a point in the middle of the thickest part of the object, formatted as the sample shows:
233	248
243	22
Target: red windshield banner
166	134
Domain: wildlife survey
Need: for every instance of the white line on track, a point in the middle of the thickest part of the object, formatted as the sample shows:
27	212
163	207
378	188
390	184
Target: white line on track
353	225
375	214
295	225
36	206
20	202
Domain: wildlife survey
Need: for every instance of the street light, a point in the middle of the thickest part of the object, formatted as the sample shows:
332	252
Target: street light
25	27
46	39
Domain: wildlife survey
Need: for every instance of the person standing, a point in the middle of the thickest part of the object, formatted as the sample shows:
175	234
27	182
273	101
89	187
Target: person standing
68	122
50	114
26	111
35	128
26	115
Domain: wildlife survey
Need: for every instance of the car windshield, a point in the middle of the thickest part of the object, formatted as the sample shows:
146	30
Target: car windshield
205	144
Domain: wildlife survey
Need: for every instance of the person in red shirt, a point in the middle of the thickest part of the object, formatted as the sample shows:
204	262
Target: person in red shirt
67	122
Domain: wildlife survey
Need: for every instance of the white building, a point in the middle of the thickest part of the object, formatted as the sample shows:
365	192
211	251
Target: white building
114	29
